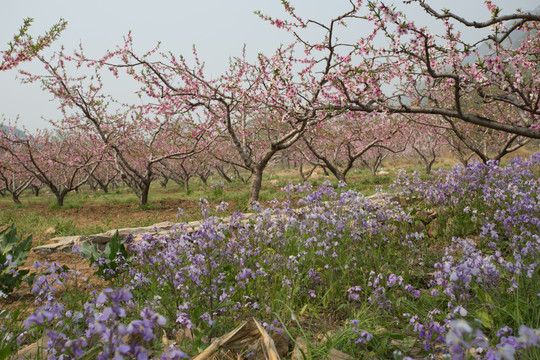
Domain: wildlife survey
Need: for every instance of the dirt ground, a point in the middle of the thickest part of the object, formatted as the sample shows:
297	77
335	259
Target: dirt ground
119	215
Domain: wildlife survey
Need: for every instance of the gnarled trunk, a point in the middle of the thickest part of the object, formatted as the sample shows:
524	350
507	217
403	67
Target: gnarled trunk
256	184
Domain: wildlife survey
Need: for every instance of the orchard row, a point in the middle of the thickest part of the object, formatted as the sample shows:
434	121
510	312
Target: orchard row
329	103
63	161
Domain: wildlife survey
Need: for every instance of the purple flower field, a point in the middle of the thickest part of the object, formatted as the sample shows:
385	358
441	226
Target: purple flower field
441	268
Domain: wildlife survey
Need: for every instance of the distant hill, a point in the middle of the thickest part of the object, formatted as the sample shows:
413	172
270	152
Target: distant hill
516	38
18	132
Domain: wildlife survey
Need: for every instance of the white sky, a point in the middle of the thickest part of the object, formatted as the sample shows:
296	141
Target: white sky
218	28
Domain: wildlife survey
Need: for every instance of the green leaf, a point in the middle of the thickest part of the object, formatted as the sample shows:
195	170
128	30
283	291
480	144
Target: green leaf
225	304
110	254
89	252
485	318
396	336
484	297
17	251
6	351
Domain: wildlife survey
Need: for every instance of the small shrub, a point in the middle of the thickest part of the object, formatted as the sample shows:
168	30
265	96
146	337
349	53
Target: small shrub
217	189
13	253
111	261
148	207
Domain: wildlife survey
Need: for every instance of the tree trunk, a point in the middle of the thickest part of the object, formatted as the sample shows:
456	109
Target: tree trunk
301	170
204	179
163	182
35	190
256	184
143	199
60	198
429	165
186	185
223	174
15	198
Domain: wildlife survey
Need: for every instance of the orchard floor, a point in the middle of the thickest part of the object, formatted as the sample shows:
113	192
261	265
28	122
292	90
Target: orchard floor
90	212
85	217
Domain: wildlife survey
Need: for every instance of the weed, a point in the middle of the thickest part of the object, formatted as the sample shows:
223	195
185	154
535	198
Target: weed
13	254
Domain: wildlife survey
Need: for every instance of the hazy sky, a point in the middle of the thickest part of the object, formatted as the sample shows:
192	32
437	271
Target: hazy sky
218	28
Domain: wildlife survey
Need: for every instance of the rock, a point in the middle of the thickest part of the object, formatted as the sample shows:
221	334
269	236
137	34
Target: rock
96	239
282	342
33	351
100	240
193	226
166	225
424	217
64	244
57	240
434	228
338	355
418	226
299	347
378	198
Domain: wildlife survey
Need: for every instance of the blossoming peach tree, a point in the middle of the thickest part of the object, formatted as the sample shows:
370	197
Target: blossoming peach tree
463	285
24	47
416	71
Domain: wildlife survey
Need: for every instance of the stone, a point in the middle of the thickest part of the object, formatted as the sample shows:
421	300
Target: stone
338	355
282	342
100	240
418	226
299	347
33	351
424	217
434	228
96	239
64	244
